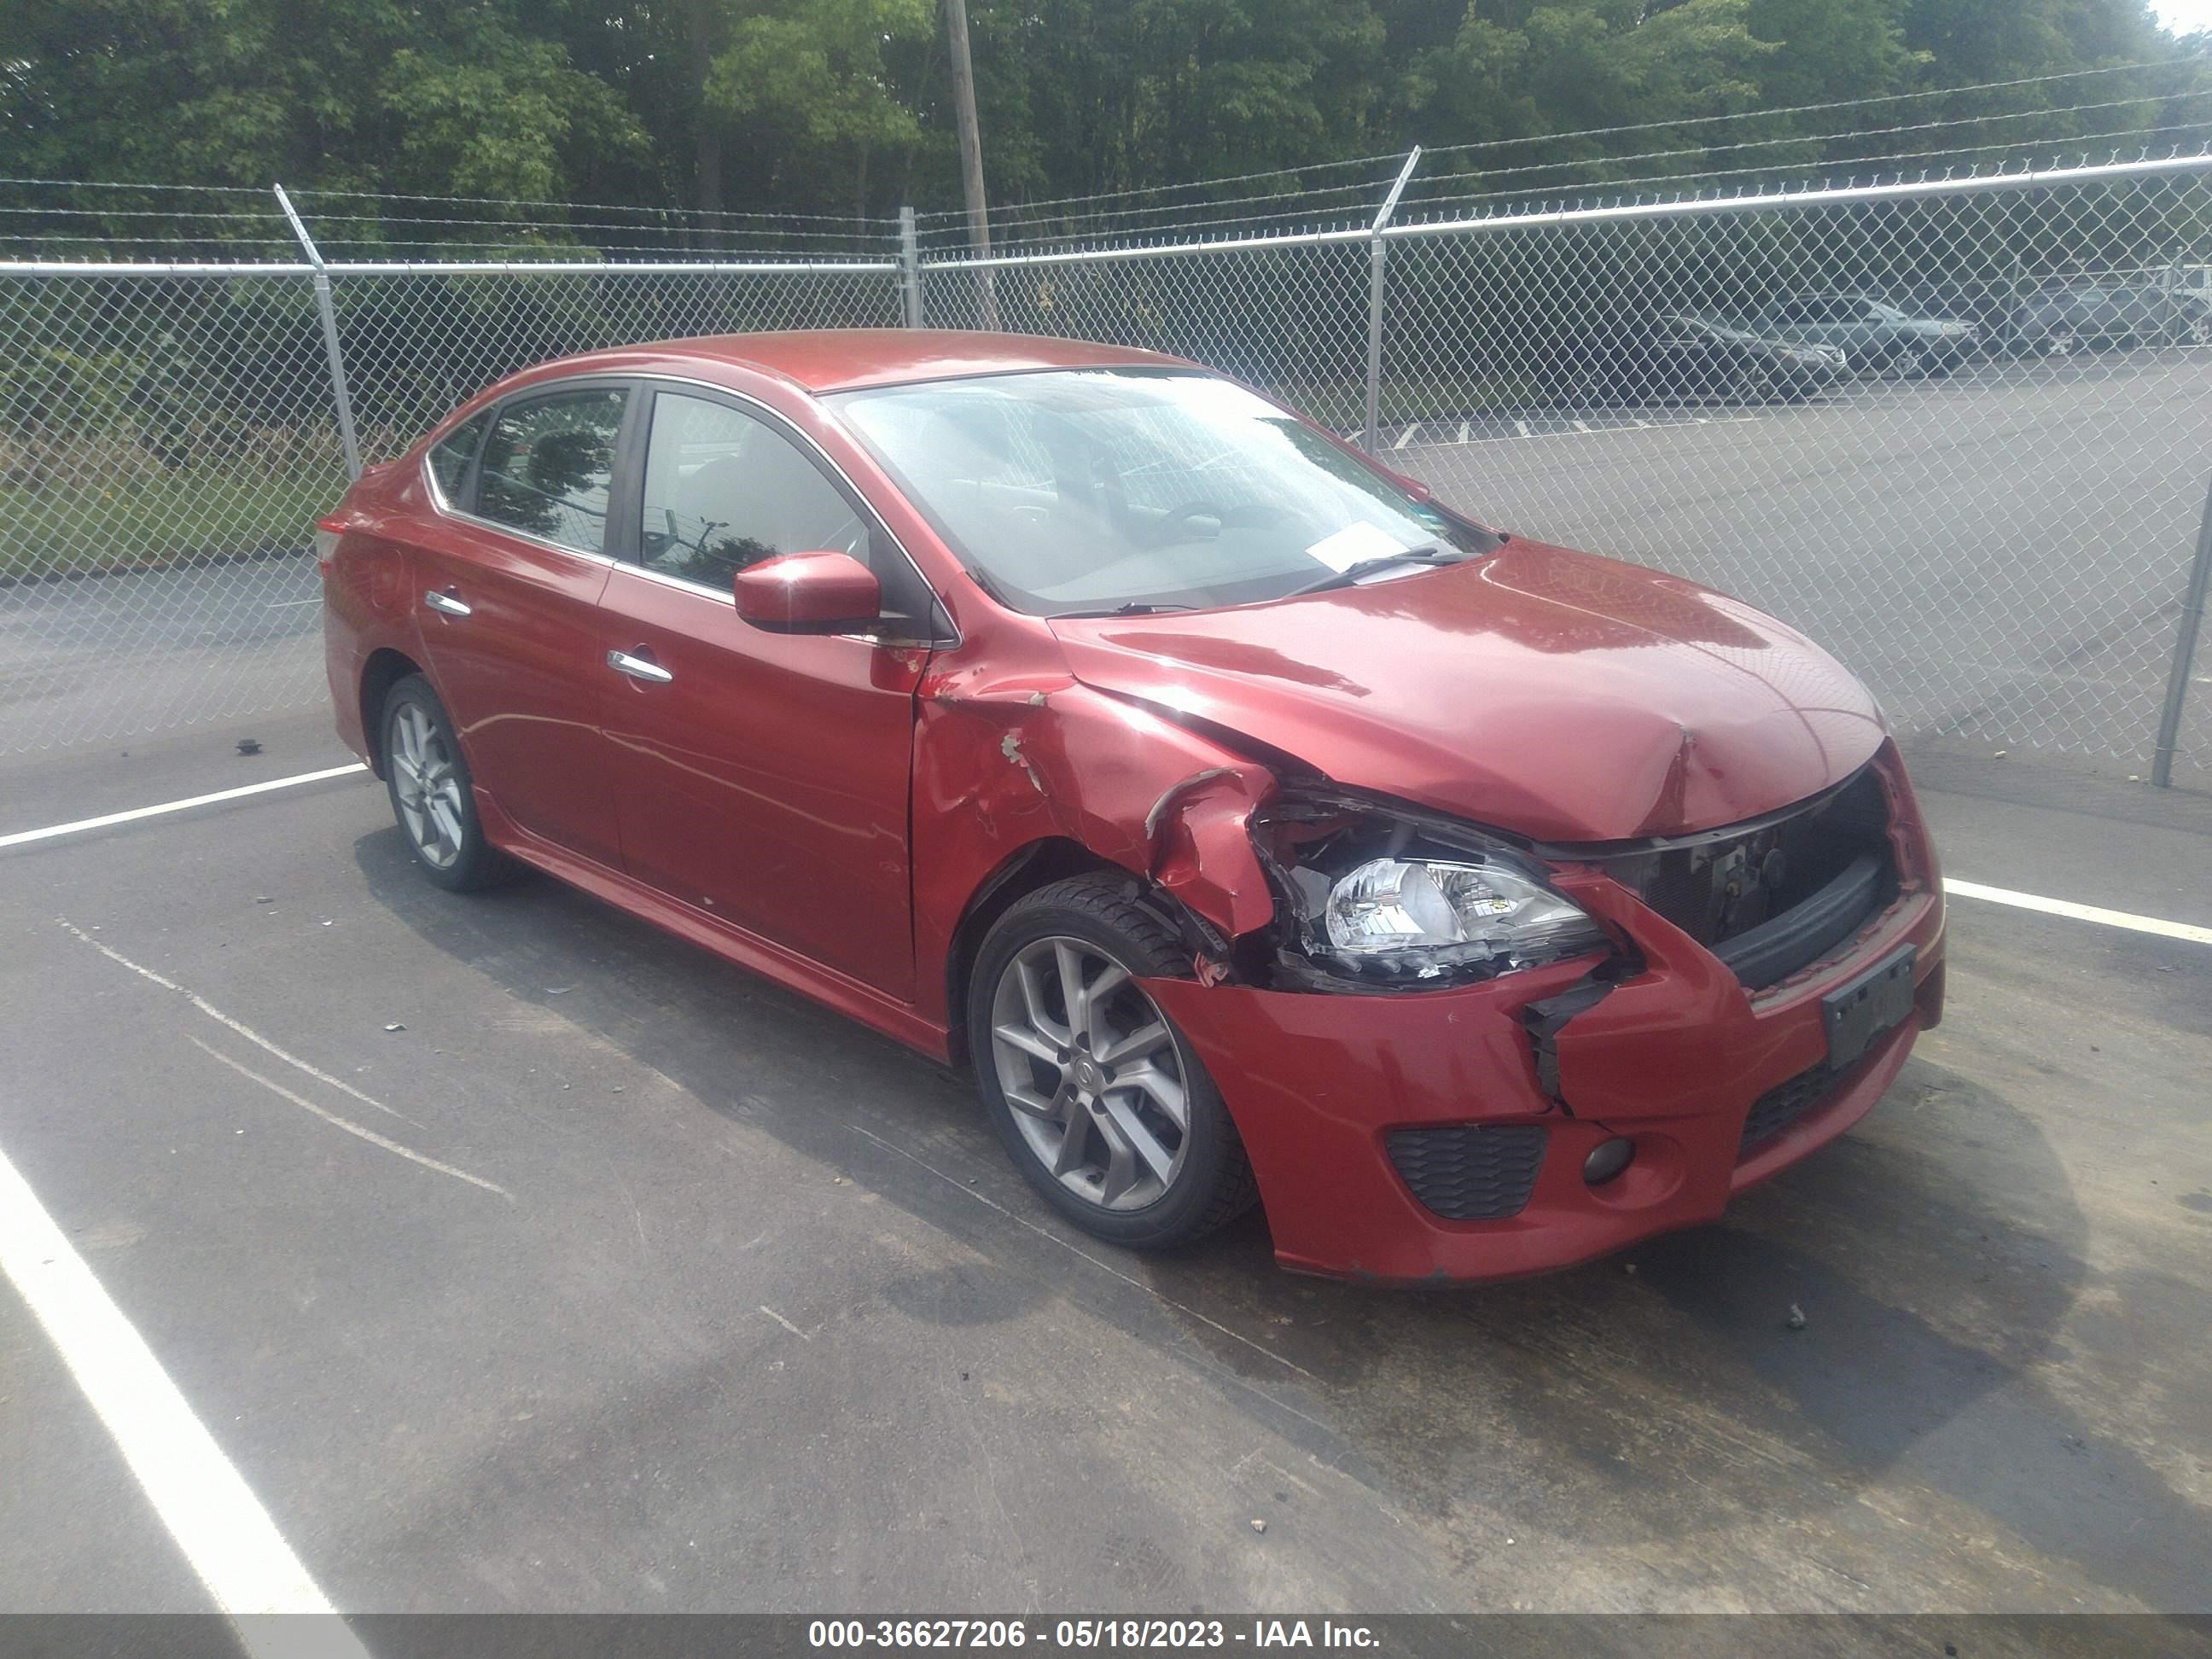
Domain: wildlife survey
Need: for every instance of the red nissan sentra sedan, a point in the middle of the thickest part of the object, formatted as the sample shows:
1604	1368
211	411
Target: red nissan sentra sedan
1258	828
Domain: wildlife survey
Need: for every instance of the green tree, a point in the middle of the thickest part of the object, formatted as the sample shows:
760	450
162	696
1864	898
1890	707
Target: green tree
802	90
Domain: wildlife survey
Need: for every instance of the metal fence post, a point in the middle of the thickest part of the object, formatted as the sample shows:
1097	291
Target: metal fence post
909	264
1375	259
2185	654
347	442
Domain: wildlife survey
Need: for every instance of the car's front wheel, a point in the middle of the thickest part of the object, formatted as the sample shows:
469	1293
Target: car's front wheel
1099	1098
428	778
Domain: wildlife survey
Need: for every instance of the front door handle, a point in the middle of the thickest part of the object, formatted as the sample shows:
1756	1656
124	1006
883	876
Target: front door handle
638	668
451	604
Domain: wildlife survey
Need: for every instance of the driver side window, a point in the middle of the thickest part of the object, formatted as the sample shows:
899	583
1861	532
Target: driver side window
724	491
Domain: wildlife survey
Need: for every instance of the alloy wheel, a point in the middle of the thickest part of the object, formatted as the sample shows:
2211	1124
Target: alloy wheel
1092	1074
427	783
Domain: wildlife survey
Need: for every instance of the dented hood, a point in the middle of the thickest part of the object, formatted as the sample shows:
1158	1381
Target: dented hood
1565	697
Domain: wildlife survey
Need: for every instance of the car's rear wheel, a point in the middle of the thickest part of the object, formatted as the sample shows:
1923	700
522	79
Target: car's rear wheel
427	779
1098	1097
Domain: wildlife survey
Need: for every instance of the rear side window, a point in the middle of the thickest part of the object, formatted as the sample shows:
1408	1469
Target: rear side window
548	465
451	455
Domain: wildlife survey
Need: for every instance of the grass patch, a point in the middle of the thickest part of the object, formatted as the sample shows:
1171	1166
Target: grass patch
209	510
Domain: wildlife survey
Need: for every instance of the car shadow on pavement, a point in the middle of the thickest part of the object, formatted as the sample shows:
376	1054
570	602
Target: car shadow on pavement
1935	1255
1890	1310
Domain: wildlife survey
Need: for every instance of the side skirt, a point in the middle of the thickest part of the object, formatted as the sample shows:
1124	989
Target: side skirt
749	951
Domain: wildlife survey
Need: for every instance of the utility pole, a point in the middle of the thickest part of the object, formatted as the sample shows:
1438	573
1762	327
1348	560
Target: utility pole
971	153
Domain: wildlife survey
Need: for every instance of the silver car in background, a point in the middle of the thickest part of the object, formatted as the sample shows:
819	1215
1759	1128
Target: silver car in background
1872	334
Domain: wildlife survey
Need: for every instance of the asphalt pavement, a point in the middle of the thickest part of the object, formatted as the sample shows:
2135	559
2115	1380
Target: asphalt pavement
2000	554
659	1289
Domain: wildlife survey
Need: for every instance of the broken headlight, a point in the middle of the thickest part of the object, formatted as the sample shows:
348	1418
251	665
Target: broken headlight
1385	898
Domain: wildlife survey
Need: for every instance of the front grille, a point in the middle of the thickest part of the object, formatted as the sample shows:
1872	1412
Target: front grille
1715	889
1785	893
1782	1106
1470	1172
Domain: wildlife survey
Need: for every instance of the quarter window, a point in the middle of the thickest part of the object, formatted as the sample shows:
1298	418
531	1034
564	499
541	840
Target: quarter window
548	464
724	491
451	455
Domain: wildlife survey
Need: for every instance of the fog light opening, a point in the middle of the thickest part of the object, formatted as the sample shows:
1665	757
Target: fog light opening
1607	1159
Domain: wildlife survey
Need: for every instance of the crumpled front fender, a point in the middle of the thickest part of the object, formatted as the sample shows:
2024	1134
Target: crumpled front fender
1006	759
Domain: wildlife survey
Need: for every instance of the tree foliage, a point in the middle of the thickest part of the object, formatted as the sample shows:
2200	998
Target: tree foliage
843	106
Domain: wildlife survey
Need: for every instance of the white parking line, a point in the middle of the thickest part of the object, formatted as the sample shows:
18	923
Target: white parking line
348	1124
239	1026
2096	913
82	824
201	1498
1584	430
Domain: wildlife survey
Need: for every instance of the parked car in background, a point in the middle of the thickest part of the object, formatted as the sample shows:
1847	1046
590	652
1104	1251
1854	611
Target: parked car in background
1658	359
1872	334
2105	311
1257	828
2004	324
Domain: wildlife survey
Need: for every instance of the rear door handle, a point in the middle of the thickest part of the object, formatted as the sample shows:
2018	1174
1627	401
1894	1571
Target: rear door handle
638	668
452	605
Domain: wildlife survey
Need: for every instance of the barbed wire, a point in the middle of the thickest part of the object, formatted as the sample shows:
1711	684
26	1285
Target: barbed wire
1615	188
1808	109
1435	192
1013	228
109	184
219	215
1193	184
597	207
942	214
558	227
1852	135
574	250
143	241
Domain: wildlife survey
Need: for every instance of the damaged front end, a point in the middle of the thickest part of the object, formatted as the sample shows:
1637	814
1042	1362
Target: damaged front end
1373	895
1456	1053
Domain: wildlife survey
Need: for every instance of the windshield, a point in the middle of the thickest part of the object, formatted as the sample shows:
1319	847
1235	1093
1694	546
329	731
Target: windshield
1109	490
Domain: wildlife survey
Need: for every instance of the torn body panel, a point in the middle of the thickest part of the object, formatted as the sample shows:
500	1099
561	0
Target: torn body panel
1005	758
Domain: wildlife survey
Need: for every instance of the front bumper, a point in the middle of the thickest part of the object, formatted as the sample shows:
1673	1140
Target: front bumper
1675	1058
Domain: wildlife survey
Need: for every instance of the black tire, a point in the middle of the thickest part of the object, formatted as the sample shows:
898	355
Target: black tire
475	863
1214	1182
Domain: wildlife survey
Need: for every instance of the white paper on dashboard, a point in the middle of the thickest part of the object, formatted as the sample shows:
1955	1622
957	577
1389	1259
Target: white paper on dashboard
1355	542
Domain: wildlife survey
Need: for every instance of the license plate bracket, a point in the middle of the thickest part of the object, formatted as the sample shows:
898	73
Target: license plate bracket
1857	1013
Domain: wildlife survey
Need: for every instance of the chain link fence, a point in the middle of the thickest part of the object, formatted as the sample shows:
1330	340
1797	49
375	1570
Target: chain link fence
169	435
1957	429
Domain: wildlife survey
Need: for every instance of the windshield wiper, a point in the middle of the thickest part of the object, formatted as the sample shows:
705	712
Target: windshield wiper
1352	572
1134	608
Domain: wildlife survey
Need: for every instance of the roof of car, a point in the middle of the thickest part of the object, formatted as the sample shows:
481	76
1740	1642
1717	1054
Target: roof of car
841	358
